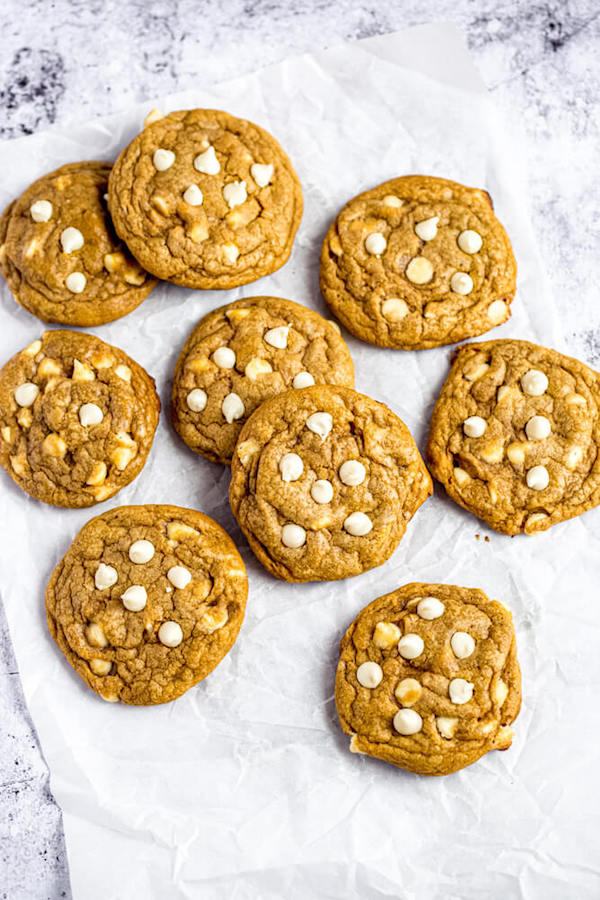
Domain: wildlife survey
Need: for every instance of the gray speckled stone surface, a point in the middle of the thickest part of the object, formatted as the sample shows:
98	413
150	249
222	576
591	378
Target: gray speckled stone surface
74	59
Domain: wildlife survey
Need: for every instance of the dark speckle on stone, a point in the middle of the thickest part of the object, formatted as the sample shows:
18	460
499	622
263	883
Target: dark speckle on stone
33	87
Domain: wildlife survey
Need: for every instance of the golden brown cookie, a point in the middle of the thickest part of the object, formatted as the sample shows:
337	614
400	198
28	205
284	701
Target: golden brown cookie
206	200
242	354
324	482
147	601
77	419
515	433
60	255
428	678
417	262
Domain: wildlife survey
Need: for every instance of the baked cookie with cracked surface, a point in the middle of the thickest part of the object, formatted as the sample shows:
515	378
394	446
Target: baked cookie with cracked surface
428	678
147	601
60	255
515	433
77	419
324	482
206	200
418	262
242	354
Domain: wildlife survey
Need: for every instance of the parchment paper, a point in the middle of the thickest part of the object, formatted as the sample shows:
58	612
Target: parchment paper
244	787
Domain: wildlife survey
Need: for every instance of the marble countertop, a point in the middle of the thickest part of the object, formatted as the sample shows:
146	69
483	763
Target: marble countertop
73	60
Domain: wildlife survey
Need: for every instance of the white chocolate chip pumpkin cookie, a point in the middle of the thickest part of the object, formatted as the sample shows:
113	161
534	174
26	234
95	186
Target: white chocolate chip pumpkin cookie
418	262
242	354
77	419
60	255
206	200
324	482
428	678
515	433
147	601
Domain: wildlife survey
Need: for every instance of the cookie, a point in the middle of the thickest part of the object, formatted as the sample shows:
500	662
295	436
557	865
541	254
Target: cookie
147	601
60	255
428	678
242	354
77	419
323	483
418	262
515	434
206	200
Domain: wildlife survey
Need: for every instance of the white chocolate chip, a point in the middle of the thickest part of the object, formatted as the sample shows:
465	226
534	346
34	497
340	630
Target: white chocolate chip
277	337
430	608
76	282
322	491
257	367
135	598
291	467
497	312
469	241
446	725
538	478
461	283
352	472
386	635
394	309
163	159
375	243
26	393
90	414
123	372
410	646
262	173
196	400
71	239
419	270
224	357
41	210
170	634
235	193
408	721
460	691
462	644
408	691
155	115
534	383
95	635
207	162
100	666
232	407
474	426
427	229
369	674
193	195
105	576
392	201
141	552
358	524
302	380
320	423
293	536
179	577
538	428
230	252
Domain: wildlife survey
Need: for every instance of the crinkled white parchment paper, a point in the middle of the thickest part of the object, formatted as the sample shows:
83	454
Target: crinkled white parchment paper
244	787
